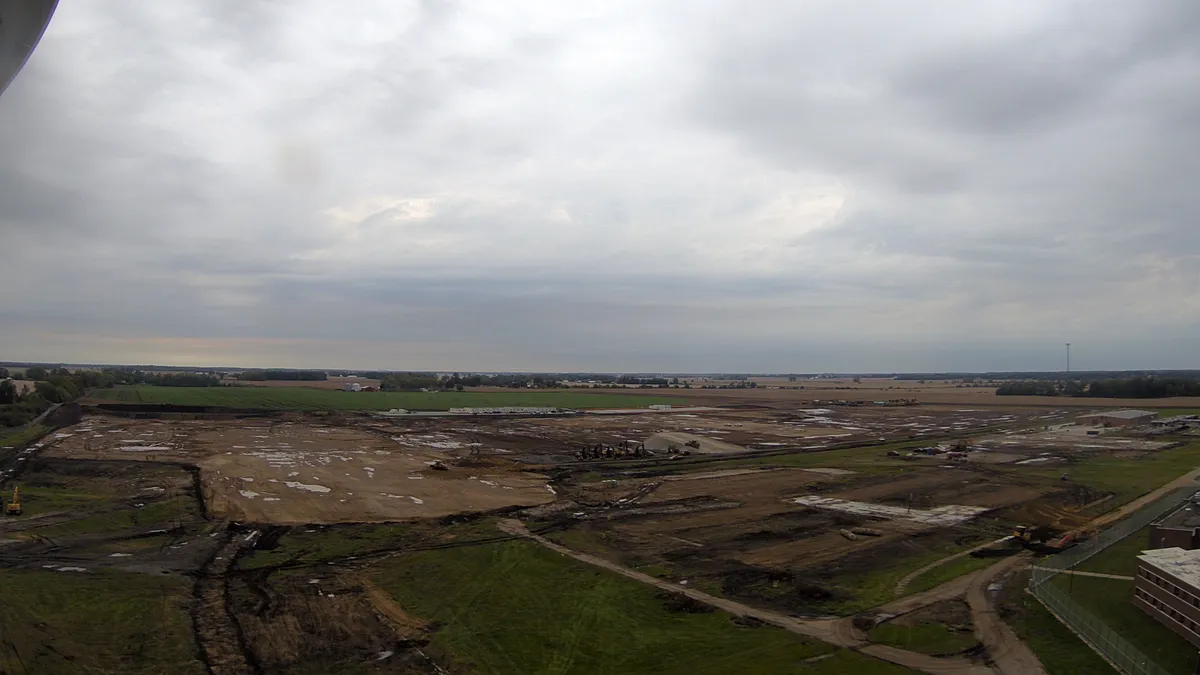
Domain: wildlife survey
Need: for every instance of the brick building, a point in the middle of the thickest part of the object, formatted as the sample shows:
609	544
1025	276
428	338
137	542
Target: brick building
1167	587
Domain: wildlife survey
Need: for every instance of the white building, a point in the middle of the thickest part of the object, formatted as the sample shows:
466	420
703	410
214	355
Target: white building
352	386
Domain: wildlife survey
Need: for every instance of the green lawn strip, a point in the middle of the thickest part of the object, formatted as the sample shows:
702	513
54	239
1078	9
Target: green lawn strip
64	623
309	398
515	607
1164	413
947	572
160	514
1056	646
317	544
36	500
1109	601
1119	558
19	438
926	638
322	544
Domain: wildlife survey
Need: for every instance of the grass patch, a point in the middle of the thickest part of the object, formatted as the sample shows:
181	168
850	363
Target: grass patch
861	591
108	622
926	638
1164	413
515	607
1059	650
323	544
1109	601
1126	477
318	544
155	515
308	398
37	500
1121	557
19	438
947	572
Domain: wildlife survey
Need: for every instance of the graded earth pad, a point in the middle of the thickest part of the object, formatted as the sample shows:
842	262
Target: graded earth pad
294	473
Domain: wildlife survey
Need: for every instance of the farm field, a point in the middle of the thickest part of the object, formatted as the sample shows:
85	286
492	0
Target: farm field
307	398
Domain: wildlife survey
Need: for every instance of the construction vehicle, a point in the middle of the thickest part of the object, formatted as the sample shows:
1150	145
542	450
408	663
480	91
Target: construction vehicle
14	507
1046	539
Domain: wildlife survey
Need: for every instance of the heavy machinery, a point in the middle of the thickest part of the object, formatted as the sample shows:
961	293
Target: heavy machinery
14	507
1046	539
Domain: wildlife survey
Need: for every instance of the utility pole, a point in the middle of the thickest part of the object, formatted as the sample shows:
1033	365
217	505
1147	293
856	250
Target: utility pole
1068	360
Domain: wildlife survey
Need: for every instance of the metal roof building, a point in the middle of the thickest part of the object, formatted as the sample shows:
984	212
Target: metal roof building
22	23
1120	417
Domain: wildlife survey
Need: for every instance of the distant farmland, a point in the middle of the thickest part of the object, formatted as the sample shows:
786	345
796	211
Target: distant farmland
306	398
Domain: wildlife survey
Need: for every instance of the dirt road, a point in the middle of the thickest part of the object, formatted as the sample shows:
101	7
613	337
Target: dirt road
1011	655
903	583
829	631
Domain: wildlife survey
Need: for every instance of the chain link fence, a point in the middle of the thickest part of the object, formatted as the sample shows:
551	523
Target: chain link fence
1120	652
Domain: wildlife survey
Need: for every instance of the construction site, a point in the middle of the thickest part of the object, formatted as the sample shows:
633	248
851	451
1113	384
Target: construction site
312	542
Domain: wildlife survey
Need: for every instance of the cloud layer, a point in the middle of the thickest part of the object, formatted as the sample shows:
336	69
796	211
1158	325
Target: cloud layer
817	186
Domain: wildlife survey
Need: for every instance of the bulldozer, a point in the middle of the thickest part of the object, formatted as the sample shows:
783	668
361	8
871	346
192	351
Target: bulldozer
14	507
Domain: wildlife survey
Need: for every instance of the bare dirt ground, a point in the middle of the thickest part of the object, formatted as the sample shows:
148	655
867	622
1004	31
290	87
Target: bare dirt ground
295	473
940	487
789	426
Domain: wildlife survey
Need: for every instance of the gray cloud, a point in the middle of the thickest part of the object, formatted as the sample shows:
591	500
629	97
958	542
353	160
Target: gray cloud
683	186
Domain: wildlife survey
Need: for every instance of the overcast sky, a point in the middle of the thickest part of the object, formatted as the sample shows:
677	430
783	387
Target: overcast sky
650	186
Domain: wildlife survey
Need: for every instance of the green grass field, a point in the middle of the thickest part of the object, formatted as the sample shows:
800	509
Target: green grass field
308	398
65	623
947	572
1109	601
1121	557
515	607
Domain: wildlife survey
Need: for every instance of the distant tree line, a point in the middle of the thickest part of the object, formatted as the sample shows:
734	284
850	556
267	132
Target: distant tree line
408	382
18	407
1140	386
272	374
741	384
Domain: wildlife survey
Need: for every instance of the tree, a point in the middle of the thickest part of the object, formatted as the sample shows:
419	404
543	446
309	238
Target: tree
8	392
36	373
47	391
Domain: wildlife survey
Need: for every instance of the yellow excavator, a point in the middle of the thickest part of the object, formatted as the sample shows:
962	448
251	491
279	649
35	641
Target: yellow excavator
14	507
